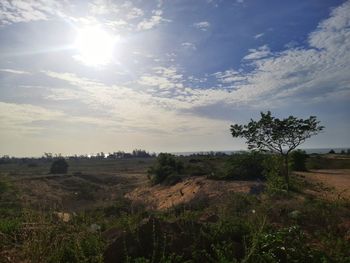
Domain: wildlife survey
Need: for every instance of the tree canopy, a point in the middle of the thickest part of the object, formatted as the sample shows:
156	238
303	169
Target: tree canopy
277	135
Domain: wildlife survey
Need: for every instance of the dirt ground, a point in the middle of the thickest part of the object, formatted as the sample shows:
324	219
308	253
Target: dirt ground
330	184
336	181
74	193
91	184
194	188
88	184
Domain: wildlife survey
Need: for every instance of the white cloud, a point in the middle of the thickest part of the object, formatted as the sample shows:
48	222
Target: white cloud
28	10
258	53
19	118
126	10
204	25
103	7
257	36
14	71
189	45
135	13
229	76
215	3
153	21
291	44
315	73
320	70
163	78
139	110
277	77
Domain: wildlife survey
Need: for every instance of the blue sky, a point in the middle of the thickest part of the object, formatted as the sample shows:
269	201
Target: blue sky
103	75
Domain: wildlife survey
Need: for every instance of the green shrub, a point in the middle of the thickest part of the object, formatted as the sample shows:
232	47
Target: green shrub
50	240
4	186
59	166
10	226
285	245
239	203
167	167
86	191
322	162
273	171
298	160
245	166
172	179
32	165
119	207
196	170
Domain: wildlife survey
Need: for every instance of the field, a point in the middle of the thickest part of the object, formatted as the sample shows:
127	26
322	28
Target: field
89	183
107	210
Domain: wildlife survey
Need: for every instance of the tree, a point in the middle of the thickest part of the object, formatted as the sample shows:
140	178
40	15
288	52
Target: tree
59	166
298	160
280	136
167	169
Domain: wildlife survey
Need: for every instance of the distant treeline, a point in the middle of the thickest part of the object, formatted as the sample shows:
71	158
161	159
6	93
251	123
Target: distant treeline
137	153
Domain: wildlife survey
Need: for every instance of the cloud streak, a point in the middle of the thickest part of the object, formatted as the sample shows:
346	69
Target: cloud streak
28	10
203	25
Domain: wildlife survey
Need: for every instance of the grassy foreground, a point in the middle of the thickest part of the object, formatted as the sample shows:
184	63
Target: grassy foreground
272	226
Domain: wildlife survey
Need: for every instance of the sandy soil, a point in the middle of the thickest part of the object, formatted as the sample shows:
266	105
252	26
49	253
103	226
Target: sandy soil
163	197
338	181
76	192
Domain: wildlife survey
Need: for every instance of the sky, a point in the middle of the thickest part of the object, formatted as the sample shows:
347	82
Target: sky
82	77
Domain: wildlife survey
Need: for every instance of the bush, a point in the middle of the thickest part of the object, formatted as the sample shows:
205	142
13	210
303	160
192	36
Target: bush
32	165
4	186
196	170
285	245
166	167
9	226
59	166
119	207
273	171
298	160
246	166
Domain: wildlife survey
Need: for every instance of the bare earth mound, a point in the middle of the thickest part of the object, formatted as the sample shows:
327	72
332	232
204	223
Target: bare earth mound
338	179
163	197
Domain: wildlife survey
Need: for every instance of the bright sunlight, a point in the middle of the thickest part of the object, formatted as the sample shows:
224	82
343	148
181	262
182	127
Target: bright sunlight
95	46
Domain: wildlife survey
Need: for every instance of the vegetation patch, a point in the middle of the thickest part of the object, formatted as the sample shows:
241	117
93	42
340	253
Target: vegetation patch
59	166
167	170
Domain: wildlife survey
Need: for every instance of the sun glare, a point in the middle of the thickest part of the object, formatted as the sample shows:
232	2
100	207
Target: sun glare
95	46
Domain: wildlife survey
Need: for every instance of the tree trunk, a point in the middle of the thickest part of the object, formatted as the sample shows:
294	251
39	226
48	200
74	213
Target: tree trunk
286	174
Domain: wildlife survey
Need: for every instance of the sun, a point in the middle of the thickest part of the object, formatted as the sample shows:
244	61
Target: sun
95	46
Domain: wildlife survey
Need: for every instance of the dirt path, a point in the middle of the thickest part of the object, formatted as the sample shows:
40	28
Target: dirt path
338	179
